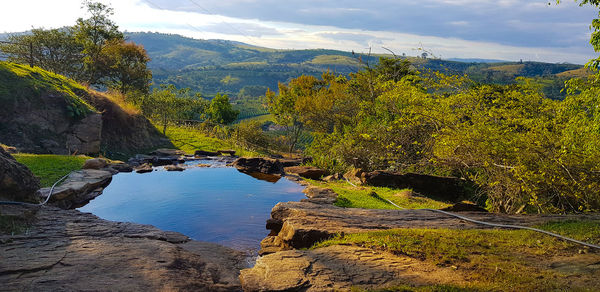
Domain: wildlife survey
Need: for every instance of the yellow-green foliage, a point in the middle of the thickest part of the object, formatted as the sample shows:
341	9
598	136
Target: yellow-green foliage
577	73
363	197
50	168
190	139
508	255
24	82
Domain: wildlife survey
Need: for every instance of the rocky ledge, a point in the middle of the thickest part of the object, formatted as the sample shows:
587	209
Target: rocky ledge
296	225
66	250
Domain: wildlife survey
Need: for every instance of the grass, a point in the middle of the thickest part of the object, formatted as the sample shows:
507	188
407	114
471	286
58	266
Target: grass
514	69
190	139
491	259
49	168
362	197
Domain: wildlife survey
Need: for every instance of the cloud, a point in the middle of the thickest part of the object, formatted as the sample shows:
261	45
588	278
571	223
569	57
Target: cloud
247	29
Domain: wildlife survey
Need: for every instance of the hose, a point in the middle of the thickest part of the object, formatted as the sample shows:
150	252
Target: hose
40	204
496	225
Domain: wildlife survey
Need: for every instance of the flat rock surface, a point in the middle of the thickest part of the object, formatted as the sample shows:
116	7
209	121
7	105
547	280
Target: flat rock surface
339	268
302	224
66	250
74	191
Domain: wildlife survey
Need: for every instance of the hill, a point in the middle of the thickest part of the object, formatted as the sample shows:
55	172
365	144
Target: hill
43	112
220	66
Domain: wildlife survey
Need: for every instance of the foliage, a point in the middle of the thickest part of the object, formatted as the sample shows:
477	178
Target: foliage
168	103
220	110
190	139
506	254
92	51
50	168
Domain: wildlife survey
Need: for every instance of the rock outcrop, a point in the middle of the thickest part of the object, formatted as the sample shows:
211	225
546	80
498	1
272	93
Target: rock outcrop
259	164
17	183
296	225
309	172
340	268
78	188
66	250
450	189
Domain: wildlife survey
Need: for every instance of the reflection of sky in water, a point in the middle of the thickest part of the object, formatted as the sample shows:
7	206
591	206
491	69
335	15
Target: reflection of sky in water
219	205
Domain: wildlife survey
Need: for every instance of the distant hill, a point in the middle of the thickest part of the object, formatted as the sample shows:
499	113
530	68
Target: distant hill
220	66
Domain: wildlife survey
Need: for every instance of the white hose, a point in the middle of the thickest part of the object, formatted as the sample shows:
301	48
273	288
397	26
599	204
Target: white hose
40	204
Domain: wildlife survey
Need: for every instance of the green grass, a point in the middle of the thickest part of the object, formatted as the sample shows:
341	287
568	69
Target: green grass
190	139
49	168
361	197
492	259
24	82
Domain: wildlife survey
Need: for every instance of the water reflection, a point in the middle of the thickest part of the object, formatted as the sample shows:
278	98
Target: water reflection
216	204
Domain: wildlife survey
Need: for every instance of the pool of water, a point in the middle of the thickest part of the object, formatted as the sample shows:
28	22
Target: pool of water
216	204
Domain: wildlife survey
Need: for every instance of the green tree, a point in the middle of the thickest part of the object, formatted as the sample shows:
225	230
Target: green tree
122	66
220	110
55	50
94	33
168	103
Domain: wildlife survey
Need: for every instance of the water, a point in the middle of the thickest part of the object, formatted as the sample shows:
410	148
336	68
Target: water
216	204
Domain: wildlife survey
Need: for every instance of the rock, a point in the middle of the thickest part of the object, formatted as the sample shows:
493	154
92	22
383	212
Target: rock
167	152
341	268
17	183
229	152
444	188
78	188
95	163
86	136
162	161
320	195
120	167
354	175
66	250
258	164
333	177
144	168
174	168
9	149
205	153
309	172
464	207
301	224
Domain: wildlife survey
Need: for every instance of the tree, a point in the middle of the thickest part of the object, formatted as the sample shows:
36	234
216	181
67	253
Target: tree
167	103
220	110
55	50
94	33
122	65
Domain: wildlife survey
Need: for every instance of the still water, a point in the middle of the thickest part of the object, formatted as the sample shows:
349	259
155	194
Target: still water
216	204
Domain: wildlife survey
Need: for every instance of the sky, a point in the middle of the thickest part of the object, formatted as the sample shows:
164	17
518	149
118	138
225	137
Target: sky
531	30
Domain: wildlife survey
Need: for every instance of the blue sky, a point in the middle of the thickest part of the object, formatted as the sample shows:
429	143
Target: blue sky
491	29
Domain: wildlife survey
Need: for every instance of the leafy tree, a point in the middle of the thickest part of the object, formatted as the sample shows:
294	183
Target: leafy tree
167	103
220	110
55	50
122	65
94	33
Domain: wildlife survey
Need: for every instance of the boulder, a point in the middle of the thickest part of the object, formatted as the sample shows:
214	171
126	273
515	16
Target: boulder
9	149
229	152
86	136
120	167
17	183
333	177
174	168
320	195
205	153
354	175
258	164
450	189
95	163
309	172
144	168
78	188
167	152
